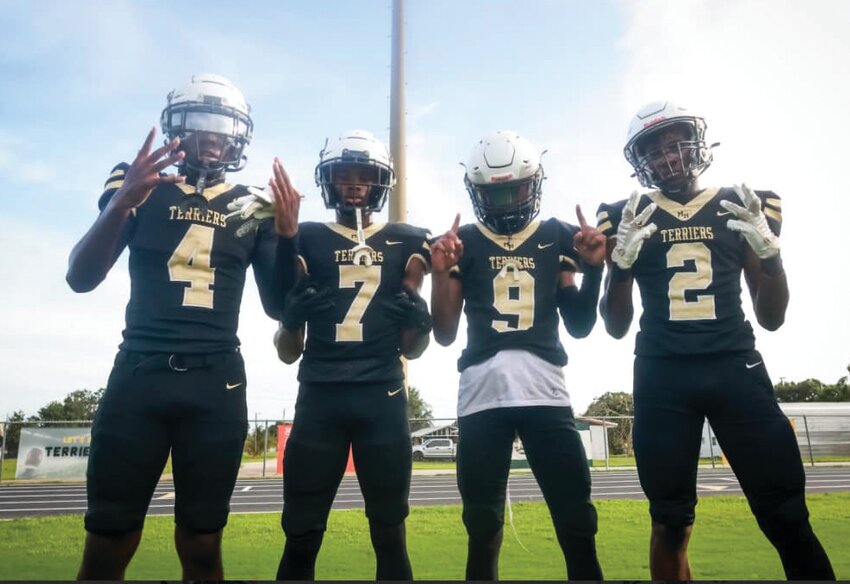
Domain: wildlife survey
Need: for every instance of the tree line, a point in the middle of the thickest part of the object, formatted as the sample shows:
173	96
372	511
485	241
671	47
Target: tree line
82	404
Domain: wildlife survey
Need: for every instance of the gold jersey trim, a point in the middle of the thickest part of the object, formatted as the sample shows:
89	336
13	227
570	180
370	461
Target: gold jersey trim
774	202
351	234
680	211
773	214
510	242
570	261
605	226
209	193
421	258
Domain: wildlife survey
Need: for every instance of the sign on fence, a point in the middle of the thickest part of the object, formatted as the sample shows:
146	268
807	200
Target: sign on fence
53	453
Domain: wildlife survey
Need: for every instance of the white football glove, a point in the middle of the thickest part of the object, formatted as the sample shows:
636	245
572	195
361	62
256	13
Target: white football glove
258	204
751	222
632	232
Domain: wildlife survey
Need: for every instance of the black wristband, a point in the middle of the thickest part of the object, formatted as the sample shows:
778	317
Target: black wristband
620	275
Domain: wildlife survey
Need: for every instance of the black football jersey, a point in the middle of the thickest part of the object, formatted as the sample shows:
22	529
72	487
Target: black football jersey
356	340
510	286
187	267
689	273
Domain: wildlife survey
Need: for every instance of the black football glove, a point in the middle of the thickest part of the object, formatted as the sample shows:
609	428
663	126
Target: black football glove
303	301
410	310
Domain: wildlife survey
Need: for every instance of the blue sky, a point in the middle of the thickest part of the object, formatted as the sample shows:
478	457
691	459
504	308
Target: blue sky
83	81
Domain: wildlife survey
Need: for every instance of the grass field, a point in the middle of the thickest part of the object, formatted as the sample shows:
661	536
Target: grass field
726	544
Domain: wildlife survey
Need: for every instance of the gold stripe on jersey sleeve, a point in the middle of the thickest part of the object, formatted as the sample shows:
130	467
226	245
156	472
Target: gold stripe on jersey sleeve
603	227
773	202
775	215
601	216
425	245
113	184
570	261
509	242
304	265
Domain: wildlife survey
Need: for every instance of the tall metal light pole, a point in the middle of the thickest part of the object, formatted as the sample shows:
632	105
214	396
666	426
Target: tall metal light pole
398	200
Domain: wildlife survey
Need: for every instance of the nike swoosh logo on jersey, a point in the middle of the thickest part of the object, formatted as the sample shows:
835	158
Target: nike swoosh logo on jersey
392	393
545	245
232	385
393	242
722	213
753	365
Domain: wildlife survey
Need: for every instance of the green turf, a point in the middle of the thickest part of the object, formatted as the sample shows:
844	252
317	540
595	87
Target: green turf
726	544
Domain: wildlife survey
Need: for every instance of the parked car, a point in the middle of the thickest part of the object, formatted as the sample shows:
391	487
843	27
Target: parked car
434	448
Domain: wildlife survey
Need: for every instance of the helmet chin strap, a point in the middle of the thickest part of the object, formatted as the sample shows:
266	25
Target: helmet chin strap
362	252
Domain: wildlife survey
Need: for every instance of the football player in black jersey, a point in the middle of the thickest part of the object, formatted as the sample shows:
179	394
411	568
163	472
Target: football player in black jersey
512	275
686	247
358	295
178	383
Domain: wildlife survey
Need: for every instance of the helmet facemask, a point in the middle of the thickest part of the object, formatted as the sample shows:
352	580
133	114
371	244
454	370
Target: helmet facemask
338	165
210	116
507	207
655	168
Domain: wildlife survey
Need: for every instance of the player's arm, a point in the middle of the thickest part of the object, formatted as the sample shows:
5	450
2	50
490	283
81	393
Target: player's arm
289	337
622	249
95	254
763	269
578	306
414	340
616	305
446	291
768	289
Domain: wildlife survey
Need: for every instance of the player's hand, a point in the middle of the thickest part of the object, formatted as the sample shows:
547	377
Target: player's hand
447	251
258	203
287	201
590	243
303	301
144	173
410	310
751	223
632	232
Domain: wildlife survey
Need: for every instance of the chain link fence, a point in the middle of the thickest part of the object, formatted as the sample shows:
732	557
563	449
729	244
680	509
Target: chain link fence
823	439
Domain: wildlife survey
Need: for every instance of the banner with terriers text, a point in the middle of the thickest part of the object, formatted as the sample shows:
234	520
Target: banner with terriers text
53	453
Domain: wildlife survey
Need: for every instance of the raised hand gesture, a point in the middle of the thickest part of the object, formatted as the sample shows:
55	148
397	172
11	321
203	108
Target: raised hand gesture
287	201
632	232
590	243
447	250
144	173
751	223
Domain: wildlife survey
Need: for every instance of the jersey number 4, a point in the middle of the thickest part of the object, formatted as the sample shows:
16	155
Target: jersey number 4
190	263
680	308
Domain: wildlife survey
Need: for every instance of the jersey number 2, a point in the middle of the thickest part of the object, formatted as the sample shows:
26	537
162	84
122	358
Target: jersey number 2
703	307
190	262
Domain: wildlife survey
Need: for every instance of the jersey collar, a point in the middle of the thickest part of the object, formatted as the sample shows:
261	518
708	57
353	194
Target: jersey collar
209	193
351	234
509	242
680	211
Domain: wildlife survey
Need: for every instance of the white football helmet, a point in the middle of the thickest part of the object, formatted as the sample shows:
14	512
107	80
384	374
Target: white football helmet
356	147
211	103
504	179
694	155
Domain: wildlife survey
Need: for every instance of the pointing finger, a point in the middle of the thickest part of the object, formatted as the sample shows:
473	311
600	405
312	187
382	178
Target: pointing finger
456	224
581	220
146	146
